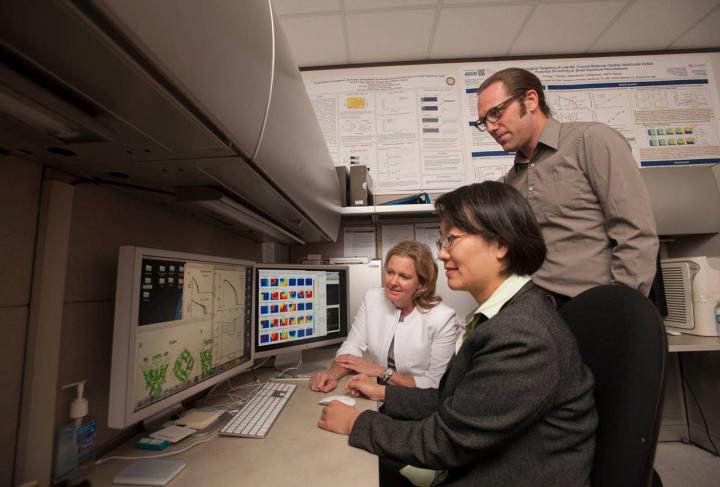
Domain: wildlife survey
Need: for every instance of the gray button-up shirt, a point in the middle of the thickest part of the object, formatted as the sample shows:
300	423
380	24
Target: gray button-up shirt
586	191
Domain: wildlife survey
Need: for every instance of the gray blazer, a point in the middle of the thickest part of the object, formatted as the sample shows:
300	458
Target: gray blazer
514	408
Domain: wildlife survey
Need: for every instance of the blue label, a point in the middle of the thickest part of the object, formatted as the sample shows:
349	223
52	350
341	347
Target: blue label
86	435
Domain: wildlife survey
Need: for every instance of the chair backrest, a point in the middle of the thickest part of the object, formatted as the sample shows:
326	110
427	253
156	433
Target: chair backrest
622	340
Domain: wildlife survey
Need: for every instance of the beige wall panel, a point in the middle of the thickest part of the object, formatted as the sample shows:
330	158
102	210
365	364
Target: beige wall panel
104	219
12	349
19	200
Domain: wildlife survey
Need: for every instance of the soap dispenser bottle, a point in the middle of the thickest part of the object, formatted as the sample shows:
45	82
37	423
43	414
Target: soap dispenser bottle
67	441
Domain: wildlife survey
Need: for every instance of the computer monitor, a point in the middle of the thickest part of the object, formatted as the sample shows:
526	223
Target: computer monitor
298	307
183	322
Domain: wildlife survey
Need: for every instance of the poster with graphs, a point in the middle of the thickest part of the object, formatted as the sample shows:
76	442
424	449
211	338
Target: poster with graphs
413	125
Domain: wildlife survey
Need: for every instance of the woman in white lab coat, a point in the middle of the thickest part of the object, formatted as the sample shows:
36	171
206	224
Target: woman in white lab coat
403	331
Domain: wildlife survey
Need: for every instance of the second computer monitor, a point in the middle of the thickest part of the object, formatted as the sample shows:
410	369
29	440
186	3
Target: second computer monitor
298	307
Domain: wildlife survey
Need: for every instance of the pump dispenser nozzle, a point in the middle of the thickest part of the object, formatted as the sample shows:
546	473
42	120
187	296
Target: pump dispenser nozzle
79	406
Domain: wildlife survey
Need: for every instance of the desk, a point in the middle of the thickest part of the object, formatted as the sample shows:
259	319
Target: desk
692	343
295	452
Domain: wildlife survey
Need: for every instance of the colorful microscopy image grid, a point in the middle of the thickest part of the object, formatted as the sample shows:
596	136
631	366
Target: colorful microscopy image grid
286	309
664	136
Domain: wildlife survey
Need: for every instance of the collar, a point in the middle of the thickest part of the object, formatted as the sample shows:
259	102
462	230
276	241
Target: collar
502	295
550	137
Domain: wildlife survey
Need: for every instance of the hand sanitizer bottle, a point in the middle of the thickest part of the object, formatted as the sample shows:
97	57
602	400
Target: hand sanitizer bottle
67	441
67	450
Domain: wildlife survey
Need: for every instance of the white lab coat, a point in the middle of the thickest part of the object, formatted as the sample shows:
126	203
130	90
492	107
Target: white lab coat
424	341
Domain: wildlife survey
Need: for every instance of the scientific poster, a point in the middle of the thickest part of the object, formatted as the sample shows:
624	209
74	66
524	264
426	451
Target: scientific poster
413	125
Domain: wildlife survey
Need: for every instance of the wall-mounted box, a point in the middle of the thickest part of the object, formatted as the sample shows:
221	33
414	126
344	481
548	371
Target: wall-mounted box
361	186
343	174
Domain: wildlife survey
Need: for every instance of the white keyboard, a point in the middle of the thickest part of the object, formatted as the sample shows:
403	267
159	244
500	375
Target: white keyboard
260	412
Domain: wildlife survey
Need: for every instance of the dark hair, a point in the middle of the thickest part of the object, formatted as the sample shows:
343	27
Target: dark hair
497	211
425	268
518	81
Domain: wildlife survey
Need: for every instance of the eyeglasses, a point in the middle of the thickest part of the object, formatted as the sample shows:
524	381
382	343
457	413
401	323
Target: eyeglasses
447	241
494	114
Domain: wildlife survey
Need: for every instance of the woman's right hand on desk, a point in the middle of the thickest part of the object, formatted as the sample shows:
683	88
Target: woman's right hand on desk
361	384
322	382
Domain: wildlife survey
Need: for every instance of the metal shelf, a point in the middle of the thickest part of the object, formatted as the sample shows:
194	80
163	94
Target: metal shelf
425	209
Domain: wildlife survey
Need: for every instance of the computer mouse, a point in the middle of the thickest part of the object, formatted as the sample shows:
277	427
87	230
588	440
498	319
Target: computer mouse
343	399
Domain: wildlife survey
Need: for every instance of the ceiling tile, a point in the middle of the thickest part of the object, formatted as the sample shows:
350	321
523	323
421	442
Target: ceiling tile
284	7
316	41
376	36
572	1
559	28
480	2
477	31
368	4
704	34
652	24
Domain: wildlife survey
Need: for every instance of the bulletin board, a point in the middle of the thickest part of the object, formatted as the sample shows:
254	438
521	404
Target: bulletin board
412	125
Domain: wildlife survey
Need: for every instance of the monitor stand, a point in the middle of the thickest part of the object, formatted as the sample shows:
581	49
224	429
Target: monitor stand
293	367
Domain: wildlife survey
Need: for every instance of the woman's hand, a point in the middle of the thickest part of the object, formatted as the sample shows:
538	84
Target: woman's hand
322	382
338	418
360	365
366	386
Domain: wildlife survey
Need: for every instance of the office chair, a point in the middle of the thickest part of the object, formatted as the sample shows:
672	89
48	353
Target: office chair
622	340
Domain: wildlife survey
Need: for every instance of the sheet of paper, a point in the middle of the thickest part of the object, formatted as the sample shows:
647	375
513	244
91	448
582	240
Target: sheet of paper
428	233
392	234
359	241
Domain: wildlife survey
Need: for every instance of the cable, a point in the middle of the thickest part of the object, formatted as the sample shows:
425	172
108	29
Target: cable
255	367
161	455
256	384
292	377
697	403
210	391
237	402
295	367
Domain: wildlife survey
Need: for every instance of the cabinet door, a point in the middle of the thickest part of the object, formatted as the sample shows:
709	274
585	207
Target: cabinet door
84	93
293	152
217	52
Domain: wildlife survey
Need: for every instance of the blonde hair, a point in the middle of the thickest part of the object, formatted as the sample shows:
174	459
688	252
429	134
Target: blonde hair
425	268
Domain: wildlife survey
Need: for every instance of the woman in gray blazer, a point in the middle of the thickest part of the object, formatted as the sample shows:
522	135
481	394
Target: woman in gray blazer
515	406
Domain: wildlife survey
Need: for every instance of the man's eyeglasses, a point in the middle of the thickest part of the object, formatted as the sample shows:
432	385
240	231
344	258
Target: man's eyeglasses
494	114
447	241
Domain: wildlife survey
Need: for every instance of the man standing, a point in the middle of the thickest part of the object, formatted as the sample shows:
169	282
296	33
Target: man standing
582	183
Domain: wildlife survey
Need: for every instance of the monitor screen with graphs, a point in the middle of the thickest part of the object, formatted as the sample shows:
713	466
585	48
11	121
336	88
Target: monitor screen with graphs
182	324
299	307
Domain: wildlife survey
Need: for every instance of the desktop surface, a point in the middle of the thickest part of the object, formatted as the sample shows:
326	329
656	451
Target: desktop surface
693	343
295	452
